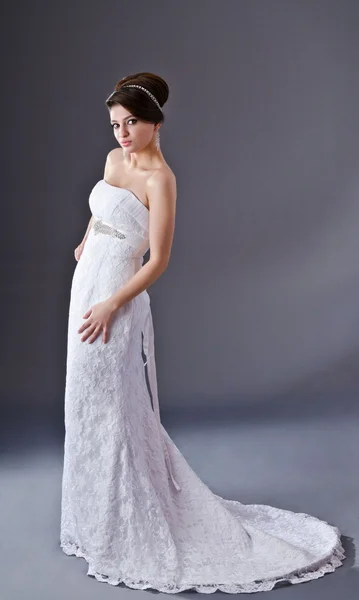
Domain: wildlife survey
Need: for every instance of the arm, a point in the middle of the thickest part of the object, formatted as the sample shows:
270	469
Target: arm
162	196
87	230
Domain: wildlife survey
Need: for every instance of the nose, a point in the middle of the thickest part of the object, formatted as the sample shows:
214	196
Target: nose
122	131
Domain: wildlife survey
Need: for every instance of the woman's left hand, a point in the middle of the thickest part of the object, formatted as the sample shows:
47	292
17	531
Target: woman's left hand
98	319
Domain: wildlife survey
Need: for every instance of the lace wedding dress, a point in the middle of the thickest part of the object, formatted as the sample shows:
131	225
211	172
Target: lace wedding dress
131	506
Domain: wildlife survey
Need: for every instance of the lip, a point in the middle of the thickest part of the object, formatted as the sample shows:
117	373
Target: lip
125	143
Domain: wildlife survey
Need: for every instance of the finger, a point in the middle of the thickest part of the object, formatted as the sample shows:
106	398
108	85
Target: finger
95	335
88	333
87	314
105	334
85	326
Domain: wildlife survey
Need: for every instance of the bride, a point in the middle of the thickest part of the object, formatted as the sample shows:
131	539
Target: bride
132	506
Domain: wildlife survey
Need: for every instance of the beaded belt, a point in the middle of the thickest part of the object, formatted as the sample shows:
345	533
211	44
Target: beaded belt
102	227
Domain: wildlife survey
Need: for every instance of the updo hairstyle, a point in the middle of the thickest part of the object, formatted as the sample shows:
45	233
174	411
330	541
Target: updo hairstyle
138	102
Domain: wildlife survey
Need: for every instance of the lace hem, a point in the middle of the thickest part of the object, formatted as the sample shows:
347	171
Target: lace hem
314	571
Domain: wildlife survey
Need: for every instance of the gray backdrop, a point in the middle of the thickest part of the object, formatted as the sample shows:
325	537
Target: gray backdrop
260	301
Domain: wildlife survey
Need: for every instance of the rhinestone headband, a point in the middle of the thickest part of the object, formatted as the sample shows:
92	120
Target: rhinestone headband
141	88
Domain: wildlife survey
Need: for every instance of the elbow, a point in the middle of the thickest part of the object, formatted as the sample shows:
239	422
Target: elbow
160	264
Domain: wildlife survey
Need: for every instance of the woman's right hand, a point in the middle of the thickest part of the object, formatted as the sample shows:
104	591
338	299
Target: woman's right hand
79	250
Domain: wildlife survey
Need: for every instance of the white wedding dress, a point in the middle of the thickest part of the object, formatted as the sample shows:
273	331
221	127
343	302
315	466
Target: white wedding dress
131	504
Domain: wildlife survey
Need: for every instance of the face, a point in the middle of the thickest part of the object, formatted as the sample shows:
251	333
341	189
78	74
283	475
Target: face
127	128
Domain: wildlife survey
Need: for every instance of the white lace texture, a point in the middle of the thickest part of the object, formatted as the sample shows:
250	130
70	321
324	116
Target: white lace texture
131	504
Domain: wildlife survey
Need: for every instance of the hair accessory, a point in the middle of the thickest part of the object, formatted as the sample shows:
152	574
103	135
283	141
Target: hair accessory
141	88
144	89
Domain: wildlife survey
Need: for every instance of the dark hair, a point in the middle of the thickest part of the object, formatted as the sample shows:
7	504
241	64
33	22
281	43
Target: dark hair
137	101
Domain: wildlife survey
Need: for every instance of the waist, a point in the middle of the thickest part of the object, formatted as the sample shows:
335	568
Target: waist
124	247
132	243
100	226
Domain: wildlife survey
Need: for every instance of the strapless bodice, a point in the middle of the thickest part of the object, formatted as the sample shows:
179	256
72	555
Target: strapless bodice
120	209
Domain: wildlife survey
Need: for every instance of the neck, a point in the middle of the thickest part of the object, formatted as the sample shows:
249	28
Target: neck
146	159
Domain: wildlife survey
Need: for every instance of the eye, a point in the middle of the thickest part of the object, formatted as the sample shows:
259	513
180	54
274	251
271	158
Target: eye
115	125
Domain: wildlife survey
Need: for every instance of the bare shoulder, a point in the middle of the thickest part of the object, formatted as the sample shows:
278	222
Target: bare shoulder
115	155
162	181
113	158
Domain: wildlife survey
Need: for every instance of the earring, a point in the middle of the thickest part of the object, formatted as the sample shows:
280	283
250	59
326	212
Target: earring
157	139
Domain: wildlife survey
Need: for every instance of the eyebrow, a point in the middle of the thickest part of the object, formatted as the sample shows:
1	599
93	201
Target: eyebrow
114	121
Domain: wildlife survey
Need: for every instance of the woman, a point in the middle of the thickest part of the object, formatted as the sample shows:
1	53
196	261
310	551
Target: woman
131	504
